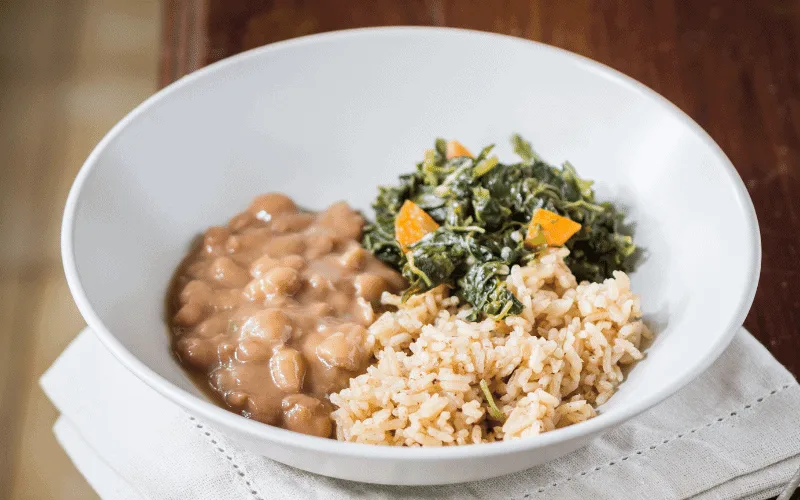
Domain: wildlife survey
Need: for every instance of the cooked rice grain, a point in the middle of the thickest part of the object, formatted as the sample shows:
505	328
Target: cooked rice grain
546	368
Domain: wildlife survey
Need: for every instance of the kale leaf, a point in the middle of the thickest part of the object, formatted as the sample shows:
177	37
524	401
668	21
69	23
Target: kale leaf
484	207
484	287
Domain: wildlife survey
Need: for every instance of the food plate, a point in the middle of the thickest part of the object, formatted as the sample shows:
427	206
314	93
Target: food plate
329	117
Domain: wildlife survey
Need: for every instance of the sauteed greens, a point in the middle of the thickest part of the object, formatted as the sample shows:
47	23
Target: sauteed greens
483	209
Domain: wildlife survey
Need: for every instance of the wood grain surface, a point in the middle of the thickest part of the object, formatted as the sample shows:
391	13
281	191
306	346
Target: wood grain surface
733	66
69	70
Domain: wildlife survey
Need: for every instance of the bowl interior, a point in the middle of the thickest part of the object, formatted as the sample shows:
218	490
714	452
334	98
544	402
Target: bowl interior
330	118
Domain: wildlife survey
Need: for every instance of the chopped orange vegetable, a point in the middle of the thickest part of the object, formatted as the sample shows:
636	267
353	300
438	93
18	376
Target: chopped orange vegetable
455	148
556	229
411	224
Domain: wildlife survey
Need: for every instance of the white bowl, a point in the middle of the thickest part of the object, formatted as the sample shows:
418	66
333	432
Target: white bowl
331	116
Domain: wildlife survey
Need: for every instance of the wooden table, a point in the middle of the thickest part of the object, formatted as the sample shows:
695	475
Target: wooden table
733	66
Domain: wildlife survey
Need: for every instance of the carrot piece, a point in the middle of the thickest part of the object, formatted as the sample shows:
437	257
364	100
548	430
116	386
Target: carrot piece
555	228
411	224
455	148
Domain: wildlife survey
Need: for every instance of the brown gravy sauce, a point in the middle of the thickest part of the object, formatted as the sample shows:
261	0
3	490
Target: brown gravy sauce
270	312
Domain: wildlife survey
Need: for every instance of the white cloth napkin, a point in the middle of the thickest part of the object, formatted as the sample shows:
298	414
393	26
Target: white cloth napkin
732	433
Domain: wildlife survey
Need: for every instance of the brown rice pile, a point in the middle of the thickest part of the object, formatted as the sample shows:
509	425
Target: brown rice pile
546	368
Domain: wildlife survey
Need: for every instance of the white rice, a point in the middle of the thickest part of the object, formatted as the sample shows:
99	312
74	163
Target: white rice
546	368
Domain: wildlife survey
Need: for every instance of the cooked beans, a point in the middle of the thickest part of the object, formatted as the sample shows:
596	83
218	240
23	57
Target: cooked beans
189	315
197	352
196	291
271	310
370	286
212	327
354	258
306	414
344	348
287	369
263	264
272	204
227	274
215	236
270	326
282	280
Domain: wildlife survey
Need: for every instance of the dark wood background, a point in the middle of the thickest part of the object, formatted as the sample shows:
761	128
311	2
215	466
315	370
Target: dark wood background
733	66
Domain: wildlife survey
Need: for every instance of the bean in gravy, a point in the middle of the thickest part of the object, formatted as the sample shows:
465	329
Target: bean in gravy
272	310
